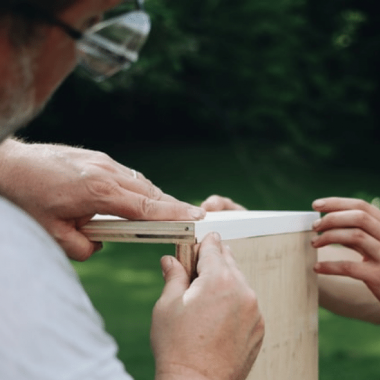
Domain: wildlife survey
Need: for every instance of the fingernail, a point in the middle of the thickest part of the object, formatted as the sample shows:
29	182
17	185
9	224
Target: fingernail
314	239
317	267
319	203
317	223
166	264
197	213
217	237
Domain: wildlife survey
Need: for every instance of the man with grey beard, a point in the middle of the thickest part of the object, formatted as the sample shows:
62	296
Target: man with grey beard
48	327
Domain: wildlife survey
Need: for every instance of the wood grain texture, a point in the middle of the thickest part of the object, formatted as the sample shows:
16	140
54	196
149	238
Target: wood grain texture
279	269
187	255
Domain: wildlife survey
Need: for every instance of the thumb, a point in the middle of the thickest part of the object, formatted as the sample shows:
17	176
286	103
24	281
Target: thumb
76	245
176	278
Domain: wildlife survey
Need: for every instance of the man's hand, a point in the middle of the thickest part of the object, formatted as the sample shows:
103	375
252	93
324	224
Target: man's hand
210	329
64	187
354	224
218	203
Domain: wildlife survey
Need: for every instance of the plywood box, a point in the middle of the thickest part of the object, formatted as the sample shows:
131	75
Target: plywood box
273	250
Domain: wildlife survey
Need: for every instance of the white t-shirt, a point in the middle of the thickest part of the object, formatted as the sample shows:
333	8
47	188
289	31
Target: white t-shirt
48	327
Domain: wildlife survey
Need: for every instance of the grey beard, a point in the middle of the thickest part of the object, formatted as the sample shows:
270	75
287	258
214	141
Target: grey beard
17	106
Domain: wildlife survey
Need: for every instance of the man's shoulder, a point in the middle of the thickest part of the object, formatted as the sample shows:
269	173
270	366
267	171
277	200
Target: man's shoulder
27	248
45	314
19	231
14	221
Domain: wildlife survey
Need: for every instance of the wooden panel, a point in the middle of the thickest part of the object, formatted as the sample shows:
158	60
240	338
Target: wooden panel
279	269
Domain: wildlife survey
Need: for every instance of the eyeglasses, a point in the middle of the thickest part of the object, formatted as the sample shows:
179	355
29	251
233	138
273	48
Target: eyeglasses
109	46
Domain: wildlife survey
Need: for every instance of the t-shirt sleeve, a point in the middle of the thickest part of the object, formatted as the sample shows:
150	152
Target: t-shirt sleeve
48	326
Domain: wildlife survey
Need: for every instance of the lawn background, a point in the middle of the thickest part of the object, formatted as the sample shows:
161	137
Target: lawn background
124	280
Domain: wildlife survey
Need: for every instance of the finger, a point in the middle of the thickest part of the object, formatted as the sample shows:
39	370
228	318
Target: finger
228	256
177	280
127	204
135	181
126	177
144	187
125	170
218	203
357	270
341	204
210	255
77	246
139	186
134	175
353	238
349	219
369	273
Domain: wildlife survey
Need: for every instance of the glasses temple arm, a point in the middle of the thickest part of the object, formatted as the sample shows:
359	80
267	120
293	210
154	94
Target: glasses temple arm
139	4
29	10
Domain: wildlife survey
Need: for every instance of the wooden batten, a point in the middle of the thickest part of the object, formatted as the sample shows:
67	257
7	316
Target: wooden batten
187	255
280	270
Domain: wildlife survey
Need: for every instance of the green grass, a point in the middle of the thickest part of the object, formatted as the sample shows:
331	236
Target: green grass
349	349
124	280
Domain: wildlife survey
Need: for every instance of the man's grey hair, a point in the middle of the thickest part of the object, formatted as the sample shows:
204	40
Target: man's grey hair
24	24
53	6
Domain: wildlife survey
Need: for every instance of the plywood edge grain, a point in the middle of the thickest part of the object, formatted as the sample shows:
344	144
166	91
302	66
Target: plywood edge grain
123	230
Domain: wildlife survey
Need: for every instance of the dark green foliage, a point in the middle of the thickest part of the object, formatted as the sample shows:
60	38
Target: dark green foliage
296	72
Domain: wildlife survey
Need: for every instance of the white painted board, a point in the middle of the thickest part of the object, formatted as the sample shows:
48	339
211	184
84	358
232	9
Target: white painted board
243	224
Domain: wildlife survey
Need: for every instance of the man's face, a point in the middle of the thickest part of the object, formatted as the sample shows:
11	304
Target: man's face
57	56
17	105
33	73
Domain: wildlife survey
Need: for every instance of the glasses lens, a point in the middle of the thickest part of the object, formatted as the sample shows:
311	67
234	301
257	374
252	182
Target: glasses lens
113	45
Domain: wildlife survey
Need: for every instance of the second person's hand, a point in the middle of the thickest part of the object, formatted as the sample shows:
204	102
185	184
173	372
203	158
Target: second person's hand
219	203
354	224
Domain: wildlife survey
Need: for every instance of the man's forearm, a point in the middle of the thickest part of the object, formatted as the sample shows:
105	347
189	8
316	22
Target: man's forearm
343	295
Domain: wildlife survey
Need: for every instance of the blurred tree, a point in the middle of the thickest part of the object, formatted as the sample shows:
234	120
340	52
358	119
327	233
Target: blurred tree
295	72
